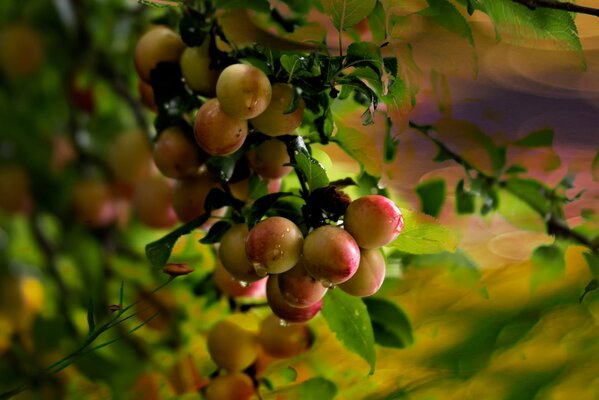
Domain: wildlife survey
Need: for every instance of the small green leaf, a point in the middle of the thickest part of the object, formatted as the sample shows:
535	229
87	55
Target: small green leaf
365	54
447	15
516	169
312	170
223	167
160	250
532	192
540	138
432	196
595	167
216	232
348	318
548	264
317	388
262	205
361	146
391	325
347	13
91	321
592	260
377	21
218	198
464	201
425	238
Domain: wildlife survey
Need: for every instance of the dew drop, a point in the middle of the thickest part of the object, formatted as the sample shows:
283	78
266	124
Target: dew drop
283	323
244	284
260	269
326	283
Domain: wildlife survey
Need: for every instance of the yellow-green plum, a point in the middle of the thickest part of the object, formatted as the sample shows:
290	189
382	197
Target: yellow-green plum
190	195
268	159
195	68
152	202
373	221
283	340
217	133
235	386
244	91
273	121
232	347
370	274
176	154
158	44
232	254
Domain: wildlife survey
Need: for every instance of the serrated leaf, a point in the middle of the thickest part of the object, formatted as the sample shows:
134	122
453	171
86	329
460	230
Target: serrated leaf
348	318
262	205
160	250
312	170
347	13
391	325
216	232
447	15
595	167
425	238
548	264
539	138
432	196
317	388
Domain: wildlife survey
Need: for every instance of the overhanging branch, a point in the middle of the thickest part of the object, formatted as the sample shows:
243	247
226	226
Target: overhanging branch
558	5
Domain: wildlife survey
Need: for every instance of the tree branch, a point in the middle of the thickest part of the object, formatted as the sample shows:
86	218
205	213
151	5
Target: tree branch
558	5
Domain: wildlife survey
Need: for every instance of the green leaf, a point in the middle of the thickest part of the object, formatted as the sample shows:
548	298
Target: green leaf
516	169
223	167
391	325
317	388
262	205
447	15
531	192
361	146
540	138
218	198
548	264
595	167
312	170
160	250
347	13
216	232
391	142
459	266
432	196
590	287
377	22
365	54
464	201
91	322
519	213
348	318
592	260
424	238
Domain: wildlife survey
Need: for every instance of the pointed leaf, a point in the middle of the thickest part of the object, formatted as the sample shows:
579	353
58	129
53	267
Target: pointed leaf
391	325
432	196
347	13
312	170
540	138
262	205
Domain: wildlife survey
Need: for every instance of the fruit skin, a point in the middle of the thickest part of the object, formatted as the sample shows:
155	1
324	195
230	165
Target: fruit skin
299	288
235	386
268	159
283	341
232	347
217	133
21	50
373	221
370	274
152	201
177	155
243	90
130	157
189	196
94	203
158	44
274	245
282	309
331	255
146	95
232	287
15	196
195	68
232	254
273	121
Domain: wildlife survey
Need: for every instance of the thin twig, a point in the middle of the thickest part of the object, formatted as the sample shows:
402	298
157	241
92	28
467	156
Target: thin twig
558	5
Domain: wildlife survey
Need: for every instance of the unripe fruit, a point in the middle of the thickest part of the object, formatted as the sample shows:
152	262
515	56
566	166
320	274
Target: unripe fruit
217	133
299	288
282	309
21	50
281	340
177	155
232	254
273	121
370	274
94	203
159	44
331	255
130	156
195	68
373	221
190	195
15	194
274	245
152	201
232	287
268	159
244	91
236	386
231	347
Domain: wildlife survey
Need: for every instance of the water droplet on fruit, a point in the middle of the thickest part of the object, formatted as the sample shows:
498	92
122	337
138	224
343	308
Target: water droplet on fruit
244	284
260	269
284	323
356	313
326	283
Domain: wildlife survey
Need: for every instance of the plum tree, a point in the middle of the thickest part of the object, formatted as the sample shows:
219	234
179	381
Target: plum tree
190	194
268	159
283	340
217	133
299	288
232	287
232	347
176	154
94	202
15	194
232	254
21	50
331	255
274	245
385	221
244	91
235	386
158	44
153	202
274	121
195	68
284	310
370	274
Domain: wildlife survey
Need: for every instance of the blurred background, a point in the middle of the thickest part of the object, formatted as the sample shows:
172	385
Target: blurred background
76	165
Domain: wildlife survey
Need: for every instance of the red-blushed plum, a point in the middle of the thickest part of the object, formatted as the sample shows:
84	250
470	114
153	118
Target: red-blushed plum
232	347
158	44
299	288
373	221
190	194
284	310
195	68
235	386
283	340
153	202
232	287
273	121
244	91
94	203
331	255
268	159
370	274
274	245
217	133
176	154
232	254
